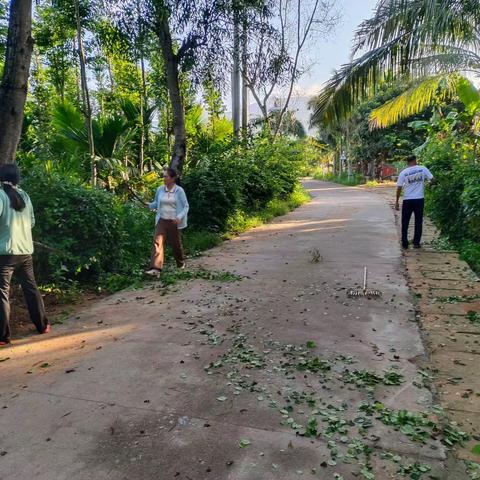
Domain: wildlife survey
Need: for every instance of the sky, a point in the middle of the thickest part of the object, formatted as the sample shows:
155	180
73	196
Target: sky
331	54
322	57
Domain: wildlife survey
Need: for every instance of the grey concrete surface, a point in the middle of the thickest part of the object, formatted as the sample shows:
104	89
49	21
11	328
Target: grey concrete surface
125	391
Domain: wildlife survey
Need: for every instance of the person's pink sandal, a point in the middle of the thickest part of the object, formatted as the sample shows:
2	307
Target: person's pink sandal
48	329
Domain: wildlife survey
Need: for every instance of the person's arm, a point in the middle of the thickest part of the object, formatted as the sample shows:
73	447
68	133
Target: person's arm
28	206
400	182
397	201
153	205
186	206
429	176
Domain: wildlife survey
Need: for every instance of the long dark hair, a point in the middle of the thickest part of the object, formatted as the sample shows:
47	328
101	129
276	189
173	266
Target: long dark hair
172	173
10	178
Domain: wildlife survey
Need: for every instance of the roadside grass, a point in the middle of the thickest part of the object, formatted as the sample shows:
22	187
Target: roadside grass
470	253
241	221
343	178
373	183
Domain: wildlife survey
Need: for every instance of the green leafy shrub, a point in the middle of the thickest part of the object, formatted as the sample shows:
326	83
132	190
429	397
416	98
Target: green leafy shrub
223	187
213	191
85	232
89	235
453	202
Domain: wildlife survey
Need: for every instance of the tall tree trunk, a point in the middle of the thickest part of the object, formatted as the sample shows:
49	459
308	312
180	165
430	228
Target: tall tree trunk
236	88
77	75
244	82
143	96
141	146
110	75
87	107
179	149
302	36
145	126
13	89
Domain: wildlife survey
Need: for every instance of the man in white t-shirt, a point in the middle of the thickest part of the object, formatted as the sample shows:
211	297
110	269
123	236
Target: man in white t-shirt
412	180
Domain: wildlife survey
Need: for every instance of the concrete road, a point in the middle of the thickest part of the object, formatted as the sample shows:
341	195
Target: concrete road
273	376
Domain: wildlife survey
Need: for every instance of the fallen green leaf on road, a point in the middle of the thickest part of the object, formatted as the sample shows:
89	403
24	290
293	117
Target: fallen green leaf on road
476	449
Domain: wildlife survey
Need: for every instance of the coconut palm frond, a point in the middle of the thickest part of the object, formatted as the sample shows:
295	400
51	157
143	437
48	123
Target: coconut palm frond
404	38
354	82
414	100
448	59
420	23
469	95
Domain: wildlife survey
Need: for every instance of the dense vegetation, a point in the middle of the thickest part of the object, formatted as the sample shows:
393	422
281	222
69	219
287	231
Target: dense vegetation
119	90
406	91
451	152
366	150
92	235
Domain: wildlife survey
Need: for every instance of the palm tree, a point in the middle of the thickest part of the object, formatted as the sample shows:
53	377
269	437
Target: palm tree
430	42
112	135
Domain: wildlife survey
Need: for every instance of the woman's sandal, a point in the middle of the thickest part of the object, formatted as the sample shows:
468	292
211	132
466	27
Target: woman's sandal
153	272
47	329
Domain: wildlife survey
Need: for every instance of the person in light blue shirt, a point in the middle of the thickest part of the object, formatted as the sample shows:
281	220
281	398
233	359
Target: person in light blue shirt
16	248
171	206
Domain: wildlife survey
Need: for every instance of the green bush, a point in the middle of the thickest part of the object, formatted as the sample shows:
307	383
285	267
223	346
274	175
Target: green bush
89	235
240	180
87	232
213	190
453	202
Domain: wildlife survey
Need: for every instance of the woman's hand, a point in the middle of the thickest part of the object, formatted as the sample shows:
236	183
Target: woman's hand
178	221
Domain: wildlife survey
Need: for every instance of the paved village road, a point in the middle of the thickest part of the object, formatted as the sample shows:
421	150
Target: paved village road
221	379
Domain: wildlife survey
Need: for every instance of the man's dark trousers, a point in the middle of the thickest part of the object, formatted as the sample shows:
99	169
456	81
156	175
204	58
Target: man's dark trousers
22	266
416	207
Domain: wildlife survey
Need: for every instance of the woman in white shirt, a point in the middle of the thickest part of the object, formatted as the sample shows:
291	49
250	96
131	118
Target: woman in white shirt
171	206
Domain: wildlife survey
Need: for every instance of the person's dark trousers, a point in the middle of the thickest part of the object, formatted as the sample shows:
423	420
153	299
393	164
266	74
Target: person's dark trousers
416	207
22	266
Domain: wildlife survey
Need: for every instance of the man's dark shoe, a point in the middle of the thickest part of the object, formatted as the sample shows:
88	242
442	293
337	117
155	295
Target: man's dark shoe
405	247
417	246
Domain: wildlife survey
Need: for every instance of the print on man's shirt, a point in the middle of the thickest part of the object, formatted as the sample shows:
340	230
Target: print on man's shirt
415	177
